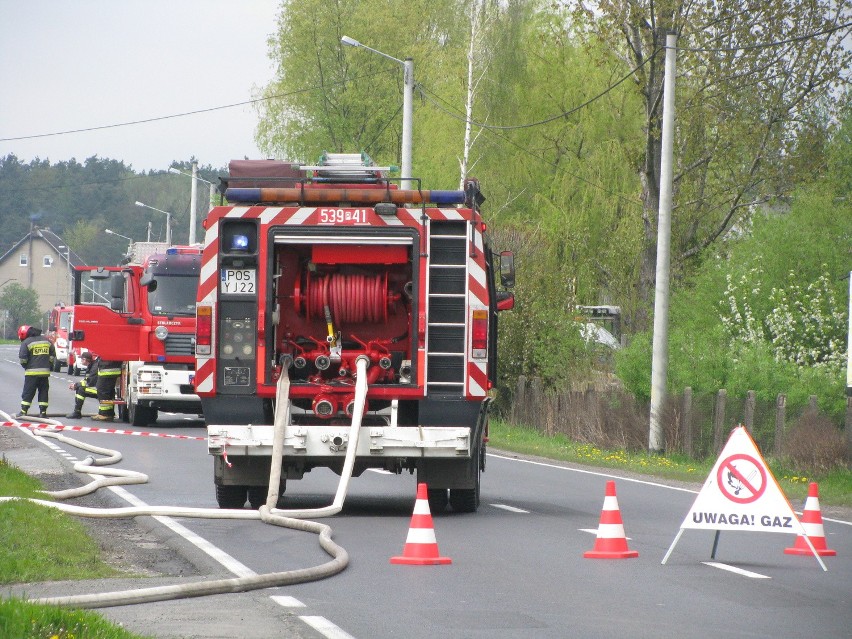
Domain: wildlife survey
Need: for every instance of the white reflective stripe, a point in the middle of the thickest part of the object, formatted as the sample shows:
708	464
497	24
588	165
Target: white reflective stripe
472	387
813	530
205	385
421	536
301	215
610	503
237	211
477	272
451	214
421	507
269	213
611	531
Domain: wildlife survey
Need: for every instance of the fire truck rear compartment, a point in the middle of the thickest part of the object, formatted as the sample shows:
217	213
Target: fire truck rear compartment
338	300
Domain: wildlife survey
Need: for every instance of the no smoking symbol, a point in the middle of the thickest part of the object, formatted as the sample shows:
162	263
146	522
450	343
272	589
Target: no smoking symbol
741	478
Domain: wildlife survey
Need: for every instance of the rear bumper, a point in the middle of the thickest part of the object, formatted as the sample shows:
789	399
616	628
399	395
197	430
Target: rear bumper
325	441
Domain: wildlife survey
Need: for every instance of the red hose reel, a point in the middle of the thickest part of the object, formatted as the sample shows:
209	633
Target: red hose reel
352	297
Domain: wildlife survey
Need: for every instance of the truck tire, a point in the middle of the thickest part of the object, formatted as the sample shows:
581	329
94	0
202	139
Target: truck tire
141	415
257	496
57	366
438	500
466	500
230	496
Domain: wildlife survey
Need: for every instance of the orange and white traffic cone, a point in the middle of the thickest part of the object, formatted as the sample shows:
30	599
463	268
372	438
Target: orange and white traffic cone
421	547
611	542
812	523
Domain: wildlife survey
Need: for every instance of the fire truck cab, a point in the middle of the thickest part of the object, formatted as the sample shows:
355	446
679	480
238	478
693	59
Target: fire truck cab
311	274
143	314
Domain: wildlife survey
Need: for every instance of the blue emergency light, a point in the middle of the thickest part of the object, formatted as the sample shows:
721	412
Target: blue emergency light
239	243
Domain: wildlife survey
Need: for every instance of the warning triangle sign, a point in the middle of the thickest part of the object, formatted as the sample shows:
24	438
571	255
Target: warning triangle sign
742	494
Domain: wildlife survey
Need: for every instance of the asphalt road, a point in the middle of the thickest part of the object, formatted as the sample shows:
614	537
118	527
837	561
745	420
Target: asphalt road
517	565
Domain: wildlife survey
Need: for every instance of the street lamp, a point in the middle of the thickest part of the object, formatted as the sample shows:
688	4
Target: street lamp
65	251
168	220
194	196
129	240
407	105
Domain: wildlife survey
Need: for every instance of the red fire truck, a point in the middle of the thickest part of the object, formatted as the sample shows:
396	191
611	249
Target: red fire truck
312	274
143	314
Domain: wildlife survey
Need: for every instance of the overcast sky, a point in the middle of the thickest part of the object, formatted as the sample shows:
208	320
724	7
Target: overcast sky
77	64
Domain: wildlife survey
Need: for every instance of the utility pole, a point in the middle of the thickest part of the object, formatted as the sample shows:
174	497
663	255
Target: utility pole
660	353
193	201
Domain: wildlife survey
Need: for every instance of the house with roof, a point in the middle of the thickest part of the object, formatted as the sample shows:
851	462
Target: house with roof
41	260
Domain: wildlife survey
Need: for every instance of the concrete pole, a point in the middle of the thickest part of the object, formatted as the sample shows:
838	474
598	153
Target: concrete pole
193	201
660	354
407	118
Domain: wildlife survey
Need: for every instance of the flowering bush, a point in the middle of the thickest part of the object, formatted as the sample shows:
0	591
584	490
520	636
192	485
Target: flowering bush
805	325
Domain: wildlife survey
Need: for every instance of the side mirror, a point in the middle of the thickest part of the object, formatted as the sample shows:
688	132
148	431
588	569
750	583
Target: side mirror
116	292
507	269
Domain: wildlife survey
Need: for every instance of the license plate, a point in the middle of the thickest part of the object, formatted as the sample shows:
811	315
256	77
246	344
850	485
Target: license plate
238	281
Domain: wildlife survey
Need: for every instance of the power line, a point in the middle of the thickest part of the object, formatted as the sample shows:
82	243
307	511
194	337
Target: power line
187	113
548	119
766	45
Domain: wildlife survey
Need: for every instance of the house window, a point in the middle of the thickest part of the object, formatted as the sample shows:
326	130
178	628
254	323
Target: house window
47	261
23	260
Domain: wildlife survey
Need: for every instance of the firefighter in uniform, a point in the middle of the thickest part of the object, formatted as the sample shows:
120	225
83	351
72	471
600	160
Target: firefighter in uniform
87	387
36	355
108	374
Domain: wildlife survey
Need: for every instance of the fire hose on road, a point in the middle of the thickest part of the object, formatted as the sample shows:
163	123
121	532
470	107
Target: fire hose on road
292	519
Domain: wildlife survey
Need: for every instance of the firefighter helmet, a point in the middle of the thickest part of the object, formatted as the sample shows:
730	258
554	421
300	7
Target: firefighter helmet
22	332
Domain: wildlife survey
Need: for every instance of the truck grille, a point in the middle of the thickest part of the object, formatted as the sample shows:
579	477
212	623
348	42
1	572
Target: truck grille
180	344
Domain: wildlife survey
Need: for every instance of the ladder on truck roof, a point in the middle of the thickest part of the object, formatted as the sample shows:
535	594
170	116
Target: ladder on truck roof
340	166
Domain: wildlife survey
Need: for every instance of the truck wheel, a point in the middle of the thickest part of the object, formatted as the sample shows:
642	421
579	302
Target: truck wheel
438	500
230	496
257	496
57	366
141	415
465	500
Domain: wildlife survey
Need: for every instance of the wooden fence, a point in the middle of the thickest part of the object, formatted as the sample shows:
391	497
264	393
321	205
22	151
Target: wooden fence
697	425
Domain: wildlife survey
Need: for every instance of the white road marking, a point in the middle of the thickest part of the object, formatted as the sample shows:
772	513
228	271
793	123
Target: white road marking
239	569
326	628
734	569
287	602
511	509
593	472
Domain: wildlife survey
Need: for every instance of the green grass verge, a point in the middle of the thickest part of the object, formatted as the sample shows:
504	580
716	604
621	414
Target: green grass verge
835	488
43	544
22	619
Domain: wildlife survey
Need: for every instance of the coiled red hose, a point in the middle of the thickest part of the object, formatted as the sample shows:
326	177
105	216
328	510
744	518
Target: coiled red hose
352	298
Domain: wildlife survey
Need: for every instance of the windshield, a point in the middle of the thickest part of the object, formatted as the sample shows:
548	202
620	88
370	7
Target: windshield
173	295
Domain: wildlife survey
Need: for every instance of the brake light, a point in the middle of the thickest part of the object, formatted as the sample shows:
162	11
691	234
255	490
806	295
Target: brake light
479	335
203	330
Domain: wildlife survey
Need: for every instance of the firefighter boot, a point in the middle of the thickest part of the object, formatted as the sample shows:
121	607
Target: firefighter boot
75	414
103	418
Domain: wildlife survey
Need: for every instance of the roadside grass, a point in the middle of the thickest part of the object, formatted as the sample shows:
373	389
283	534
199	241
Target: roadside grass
23	619
43	544
835	487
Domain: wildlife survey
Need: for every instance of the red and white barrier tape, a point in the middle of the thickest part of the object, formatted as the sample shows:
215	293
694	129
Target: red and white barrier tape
89	429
